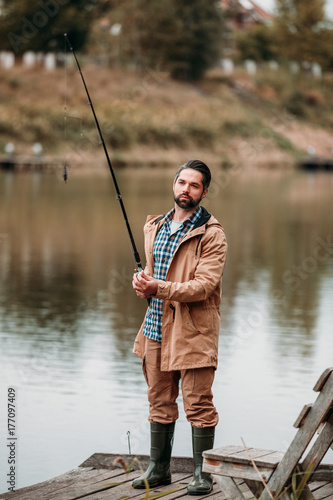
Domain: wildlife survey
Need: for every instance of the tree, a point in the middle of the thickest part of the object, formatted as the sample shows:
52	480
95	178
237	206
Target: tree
300	26
258	43
182	36
40	25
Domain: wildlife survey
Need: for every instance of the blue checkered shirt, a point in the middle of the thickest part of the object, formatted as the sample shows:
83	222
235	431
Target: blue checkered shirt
164	248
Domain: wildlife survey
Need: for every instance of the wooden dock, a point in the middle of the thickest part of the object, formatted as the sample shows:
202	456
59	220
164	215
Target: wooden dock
314	163
26	164
102	477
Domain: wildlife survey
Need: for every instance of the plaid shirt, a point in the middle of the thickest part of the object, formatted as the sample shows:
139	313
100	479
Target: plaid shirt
164	248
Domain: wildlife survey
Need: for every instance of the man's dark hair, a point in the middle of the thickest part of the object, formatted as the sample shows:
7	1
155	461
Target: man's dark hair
201	167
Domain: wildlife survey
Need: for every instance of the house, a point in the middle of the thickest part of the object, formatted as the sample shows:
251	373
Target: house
243	14
240	15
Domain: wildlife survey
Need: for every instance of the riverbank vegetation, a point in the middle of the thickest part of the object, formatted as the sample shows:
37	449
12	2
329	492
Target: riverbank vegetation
271	117
157	85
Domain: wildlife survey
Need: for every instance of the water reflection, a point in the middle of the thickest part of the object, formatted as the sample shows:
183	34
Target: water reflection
69	316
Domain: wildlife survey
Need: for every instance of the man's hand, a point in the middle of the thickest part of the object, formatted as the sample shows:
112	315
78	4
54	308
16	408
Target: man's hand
144	285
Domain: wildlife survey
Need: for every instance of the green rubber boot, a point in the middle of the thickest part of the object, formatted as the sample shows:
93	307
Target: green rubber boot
158	472
202	439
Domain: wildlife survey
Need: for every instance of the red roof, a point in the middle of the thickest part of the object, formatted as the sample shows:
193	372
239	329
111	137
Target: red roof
263	13
249	8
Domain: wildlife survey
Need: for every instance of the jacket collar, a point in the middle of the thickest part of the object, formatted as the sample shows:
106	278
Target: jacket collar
203	219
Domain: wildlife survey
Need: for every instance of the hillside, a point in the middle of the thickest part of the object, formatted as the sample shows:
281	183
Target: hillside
148	119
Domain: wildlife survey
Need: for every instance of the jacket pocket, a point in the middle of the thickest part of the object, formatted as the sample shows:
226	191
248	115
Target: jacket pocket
189	325
202	319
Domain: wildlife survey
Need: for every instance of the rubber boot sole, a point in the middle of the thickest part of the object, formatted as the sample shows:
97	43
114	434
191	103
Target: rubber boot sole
142	485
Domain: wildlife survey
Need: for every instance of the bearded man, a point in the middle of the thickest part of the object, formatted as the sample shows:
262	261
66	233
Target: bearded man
178	340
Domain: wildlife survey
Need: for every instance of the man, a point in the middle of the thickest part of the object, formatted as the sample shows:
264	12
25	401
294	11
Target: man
185	254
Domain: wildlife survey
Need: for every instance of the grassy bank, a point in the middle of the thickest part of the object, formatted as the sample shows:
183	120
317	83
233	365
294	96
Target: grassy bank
267	119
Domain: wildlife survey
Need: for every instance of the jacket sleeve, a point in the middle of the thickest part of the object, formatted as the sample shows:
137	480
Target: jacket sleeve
208	273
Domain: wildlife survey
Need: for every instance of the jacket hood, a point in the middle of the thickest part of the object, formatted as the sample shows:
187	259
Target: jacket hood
205	217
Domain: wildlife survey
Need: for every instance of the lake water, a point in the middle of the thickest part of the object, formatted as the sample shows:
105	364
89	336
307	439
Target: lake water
68	315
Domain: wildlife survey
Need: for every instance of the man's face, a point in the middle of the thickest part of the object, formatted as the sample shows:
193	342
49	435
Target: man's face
188	189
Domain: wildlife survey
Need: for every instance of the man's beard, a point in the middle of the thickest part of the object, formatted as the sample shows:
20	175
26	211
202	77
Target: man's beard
186	203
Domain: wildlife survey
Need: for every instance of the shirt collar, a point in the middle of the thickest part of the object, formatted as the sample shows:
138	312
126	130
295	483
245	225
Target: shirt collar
192	219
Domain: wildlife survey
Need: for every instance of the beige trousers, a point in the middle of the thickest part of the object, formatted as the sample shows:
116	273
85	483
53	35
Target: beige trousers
163	390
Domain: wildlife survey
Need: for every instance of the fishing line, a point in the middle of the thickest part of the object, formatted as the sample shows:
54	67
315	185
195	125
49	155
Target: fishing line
65	169
101	142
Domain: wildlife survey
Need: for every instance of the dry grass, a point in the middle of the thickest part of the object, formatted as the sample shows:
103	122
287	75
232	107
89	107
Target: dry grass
149	114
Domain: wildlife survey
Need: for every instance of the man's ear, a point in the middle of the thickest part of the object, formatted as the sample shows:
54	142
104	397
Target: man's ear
204	194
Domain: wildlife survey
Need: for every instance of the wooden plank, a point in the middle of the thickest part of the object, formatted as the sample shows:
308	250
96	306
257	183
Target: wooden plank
106	460
69	489
301	440
56	483
233	470
322	379
179	482
320	447
305	493
315	485
247	493
323	492
224	451
262	458
302	416
88	483
255	486
323	473
126	490
103	483
230	488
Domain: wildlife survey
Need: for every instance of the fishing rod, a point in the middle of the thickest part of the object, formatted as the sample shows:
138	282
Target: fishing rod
118	197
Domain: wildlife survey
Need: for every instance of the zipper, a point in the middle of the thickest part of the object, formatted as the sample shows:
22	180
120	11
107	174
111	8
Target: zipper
173	311
196	250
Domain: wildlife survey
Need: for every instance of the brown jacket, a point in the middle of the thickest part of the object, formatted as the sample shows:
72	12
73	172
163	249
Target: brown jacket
191	295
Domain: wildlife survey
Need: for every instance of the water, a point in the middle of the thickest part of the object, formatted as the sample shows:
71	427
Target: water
68	316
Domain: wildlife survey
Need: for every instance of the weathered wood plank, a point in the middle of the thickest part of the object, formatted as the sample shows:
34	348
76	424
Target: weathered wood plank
224	451
302	416
179	483
230	488
69	489
263	458
255	486
302	439
93	484
323	492
320	447
314	485
323	473
305	493
103	483
242	486
229	469
106	460
50	485
322	379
